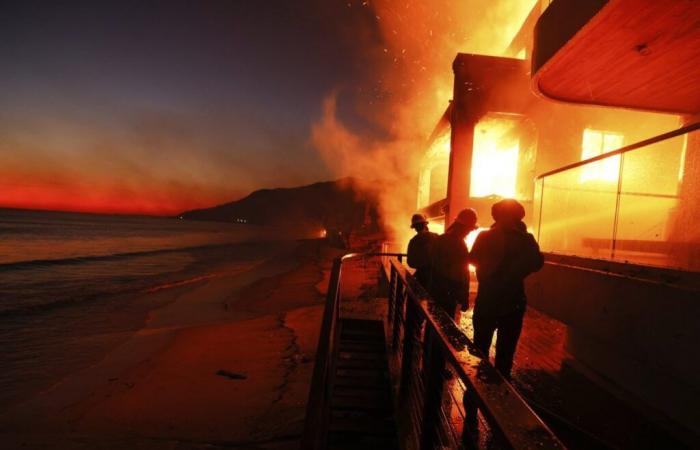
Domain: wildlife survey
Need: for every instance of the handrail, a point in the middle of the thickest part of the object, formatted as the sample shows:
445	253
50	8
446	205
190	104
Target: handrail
653	140
615	222
318	406
441	345
445	345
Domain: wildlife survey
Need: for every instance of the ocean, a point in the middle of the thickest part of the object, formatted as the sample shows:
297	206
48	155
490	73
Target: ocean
70	283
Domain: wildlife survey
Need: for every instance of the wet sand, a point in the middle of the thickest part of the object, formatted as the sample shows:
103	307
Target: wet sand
226	363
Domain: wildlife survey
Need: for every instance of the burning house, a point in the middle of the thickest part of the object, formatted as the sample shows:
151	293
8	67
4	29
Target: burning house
590	118
590	121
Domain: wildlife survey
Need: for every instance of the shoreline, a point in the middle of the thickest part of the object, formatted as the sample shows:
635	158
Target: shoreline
70	336
162	386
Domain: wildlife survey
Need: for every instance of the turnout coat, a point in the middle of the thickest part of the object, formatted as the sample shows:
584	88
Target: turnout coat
504	255
420	250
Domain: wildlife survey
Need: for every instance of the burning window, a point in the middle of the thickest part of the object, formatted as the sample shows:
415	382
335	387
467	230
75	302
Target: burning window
495	160
597	142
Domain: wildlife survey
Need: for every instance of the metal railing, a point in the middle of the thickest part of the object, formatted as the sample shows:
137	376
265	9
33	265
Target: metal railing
446	395
635	204
316	424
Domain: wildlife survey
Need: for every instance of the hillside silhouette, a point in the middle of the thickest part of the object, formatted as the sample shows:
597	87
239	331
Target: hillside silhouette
333	205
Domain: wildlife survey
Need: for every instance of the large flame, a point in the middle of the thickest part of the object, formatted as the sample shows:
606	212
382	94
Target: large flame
408	51
495	159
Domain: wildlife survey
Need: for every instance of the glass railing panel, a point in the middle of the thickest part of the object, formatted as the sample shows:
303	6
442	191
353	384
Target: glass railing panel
658	212
534	220
578	210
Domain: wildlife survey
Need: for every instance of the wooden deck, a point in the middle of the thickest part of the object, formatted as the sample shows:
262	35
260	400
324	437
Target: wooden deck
563	392
581	410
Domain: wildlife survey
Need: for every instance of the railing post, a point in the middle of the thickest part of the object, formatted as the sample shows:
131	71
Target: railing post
470	430
397	290
398	315
392	293
434	367
539	218
618	198
411	330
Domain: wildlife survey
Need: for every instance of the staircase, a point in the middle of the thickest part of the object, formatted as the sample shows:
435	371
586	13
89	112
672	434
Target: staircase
351	403
361	406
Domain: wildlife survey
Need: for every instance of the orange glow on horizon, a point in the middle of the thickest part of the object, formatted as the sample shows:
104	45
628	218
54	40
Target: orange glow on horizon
103	197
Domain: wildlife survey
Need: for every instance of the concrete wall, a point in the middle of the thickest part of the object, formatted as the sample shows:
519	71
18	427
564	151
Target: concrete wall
638	332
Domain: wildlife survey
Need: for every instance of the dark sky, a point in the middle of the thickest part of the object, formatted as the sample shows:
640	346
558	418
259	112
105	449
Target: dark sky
160	106
136	104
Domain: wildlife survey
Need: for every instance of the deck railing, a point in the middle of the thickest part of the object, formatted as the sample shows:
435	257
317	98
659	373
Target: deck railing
636	204
318	407
446	395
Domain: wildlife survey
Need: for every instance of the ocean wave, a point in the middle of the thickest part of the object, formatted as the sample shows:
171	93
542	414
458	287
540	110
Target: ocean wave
58	303
179	283
33	263
121	290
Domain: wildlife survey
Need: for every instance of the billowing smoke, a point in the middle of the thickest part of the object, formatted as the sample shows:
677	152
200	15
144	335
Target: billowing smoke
404	90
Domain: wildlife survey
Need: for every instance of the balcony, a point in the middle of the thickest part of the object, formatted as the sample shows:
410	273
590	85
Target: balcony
627	53
634	205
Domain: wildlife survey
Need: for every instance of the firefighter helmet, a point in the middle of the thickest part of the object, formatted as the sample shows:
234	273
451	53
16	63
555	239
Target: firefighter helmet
467	217
418	219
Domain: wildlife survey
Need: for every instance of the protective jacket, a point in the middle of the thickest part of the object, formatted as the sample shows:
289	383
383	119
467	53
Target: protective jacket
450	280
420	249
504	255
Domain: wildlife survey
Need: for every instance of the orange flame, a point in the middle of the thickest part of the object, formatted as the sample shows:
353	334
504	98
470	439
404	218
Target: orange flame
408	87
495	160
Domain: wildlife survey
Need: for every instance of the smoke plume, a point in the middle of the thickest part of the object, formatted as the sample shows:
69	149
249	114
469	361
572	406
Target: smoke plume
404	90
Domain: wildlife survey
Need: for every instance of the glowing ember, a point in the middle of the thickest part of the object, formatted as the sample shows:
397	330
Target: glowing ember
495	160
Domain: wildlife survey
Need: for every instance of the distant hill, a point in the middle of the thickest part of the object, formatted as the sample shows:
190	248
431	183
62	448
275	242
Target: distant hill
339	205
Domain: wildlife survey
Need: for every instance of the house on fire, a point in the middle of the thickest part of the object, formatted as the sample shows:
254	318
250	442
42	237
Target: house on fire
591	121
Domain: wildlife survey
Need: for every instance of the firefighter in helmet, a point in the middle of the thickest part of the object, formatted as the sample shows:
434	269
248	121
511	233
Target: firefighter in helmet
450	276
503	255
420	249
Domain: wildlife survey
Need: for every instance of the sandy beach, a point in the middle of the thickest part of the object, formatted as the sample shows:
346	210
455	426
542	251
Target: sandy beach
225	363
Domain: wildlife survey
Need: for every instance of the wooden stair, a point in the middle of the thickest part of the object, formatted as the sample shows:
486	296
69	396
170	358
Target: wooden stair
362	414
